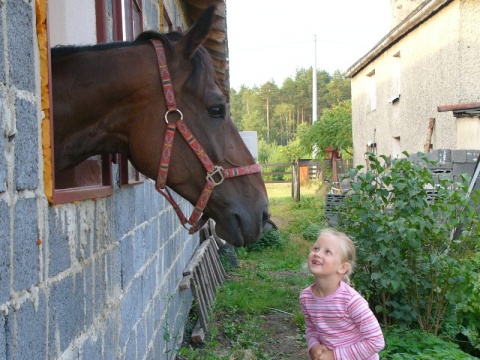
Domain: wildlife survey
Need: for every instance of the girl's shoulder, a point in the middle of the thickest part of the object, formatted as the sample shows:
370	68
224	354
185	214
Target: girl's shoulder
307	292
352	294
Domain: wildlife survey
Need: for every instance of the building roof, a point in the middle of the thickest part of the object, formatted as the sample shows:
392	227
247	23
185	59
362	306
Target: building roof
425	10
217	43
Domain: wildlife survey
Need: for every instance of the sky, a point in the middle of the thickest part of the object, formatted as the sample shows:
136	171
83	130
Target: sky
271	39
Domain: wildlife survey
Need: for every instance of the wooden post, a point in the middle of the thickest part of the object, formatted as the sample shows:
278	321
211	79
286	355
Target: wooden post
431	125
297	181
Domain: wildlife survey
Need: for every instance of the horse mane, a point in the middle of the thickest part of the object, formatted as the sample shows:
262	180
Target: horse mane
202	63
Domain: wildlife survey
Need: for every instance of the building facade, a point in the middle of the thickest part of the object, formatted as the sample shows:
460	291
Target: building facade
84	274
429	59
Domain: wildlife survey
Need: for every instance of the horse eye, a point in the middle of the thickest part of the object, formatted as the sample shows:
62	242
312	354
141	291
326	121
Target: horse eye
217	111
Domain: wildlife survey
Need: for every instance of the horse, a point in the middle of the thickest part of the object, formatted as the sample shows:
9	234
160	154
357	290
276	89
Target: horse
110	98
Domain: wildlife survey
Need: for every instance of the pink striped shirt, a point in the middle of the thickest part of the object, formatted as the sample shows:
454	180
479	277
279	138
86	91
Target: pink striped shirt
342	322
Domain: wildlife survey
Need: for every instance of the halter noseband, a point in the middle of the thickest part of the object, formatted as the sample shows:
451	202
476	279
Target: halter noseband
213	171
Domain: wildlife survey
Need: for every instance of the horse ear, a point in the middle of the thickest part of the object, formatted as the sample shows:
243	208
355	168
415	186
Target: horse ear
198	33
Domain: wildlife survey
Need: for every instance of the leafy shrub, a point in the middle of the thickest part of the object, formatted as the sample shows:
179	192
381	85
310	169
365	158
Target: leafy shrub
311	231
402	219
416	344
270	238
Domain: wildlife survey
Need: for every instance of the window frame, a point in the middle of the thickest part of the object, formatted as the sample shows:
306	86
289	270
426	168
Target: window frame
372	90
127	24
79	193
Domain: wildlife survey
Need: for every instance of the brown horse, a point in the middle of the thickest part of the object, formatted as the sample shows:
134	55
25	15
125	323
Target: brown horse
109	99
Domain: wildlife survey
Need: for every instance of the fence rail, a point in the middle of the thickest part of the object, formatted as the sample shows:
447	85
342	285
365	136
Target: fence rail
267	174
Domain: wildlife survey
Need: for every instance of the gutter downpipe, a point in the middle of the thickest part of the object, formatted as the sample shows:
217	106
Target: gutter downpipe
420	14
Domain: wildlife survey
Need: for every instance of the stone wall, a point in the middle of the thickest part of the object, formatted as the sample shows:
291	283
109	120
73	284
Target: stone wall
96	279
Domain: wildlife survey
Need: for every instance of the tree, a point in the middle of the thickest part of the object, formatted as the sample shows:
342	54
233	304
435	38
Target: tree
334	129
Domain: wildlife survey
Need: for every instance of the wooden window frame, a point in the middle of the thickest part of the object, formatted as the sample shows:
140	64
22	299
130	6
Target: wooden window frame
127	24
75	175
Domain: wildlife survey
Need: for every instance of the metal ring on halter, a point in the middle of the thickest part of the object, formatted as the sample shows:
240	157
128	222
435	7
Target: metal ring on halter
171	111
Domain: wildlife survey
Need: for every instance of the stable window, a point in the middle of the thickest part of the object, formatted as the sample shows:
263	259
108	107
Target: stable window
372	90
128	24
73	22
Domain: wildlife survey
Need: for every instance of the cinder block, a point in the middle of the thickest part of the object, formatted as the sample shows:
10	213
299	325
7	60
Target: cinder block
440	155
67	309
442	168
31	338
58	248
131	348
114	275
100	286
25	248
21	58
464	168
127	261
26	146
92	349
459	156
140	209
141	339
123	211
472	156
110	346
4	253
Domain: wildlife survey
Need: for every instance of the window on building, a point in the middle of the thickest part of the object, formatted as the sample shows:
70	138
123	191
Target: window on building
372	90
396	147
127	25
396	72
73	22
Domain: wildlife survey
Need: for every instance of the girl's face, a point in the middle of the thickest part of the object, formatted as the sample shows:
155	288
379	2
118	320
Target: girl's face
325	258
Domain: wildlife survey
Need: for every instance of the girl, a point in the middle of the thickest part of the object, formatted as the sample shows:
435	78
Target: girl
339	323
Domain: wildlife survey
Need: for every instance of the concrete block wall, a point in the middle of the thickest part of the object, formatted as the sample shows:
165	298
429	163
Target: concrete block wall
96	279
452	164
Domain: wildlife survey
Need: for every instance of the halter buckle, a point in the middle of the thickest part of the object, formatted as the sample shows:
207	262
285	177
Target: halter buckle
218	171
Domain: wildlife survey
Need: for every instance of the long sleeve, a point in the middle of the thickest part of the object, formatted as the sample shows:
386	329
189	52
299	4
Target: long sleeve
310	328
371	339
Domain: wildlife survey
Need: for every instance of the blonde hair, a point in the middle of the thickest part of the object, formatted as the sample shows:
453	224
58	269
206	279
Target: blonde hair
349	252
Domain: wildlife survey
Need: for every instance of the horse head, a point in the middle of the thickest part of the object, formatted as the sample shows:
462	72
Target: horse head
132	116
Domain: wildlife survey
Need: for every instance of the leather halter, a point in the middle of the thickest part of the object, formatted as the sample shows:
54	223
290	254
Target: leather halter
213	171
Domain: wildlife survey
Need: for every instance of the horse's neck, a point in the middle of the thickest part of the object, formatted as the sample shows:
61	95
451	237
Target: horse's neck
96	97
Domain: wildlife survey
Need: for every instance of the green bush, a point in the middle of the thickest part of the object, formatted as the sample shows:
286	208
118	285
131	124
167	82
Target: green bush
410	267
416	344
270	238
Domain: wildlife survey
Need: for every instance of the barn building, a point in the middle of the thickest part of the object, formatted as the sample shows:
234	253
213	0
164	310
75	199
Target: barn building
90	260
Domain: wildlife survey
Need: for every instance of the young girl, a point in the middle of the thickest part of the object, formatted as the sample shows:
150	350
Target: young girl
339	323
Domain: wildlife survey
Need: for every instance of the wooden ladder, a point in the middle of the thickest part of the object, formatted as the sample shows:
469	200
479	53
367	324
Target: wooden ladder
204	274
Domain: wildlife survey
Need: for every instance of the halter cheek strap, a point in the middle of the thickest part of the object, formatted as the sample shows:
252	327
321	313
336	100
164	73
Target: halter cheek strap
215	174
